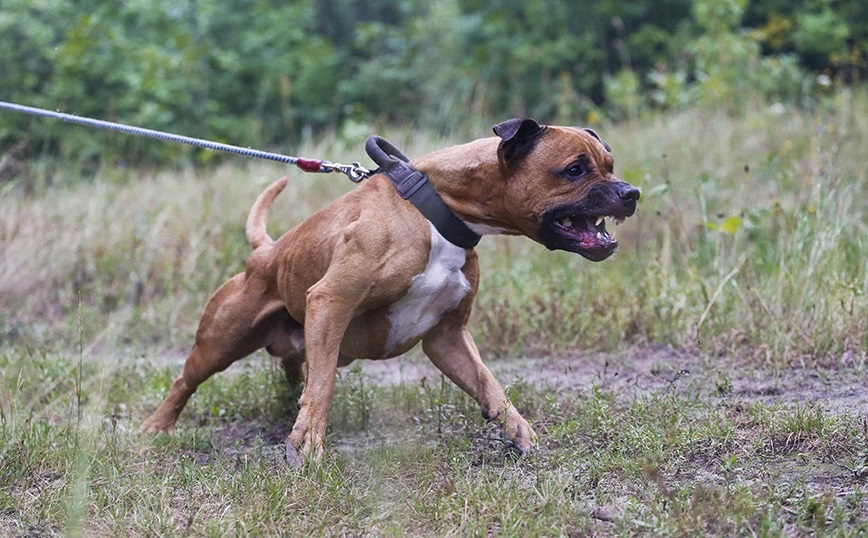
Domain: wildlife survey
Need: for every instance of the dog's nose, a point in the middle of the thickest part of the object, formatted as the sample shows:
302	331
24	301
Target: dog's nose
628	192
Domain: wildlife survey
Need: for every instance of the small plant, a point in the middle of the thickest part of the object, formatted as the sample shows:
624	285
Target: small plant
804	422
723	384
360	397
729	464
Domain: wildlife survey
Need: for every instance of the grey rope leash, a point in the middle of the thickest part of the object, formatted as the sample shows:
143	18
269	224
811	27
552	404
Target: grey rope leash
355	171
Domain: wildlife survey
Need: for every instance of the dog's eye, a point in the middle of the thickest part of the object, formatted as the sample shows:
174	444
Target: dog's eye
577	170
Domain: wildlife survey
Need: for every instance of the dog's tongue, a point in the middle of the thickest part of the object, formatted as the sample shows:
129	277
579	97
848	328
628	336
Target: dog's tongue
588	234
590	239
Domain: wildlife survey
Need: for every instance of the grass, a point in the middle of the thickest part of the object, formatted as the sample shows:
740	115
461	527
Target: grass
745	264
423	463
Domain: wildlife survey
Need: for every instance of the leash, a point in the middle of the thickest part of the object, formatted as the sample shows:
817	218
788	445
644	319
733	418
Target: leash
355	171
411	184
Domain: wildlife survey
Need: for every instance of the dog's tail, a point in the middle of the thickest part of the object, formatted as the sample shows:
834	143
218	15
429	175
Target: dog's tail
257	234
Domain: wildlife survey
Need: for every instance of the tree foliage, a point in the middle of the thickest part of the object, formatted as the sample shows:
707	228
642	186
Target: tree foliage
266	72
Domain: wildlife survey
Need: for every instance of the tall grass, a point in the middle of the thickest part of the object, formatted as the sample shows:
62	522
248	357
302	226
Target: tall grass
750	238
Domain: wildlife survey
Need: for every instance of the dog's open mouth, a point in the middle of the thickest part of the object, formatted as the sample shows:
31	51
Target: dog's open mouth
589	234
581	233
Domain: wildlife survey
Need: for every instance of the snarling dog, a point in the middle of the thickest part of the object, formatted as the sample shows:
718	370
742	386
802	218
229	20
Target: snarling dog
369	277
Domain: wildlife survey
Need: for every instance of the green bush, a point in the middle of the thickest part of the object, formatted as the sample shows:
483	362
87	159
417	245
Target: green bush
266	73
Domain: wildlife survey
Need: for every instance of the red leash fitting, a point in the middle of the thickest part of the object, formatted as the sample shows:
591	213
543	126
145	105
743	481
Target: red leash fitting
309	165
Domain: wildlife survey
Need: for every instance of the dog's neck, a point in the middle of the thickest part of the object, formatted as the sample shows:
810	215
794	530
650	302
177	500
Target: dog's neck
458	175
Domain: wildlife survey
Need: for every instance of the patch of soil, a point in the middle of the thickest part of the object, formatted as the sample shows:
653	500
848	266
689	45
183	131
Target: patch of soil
239	435
643	371
655	370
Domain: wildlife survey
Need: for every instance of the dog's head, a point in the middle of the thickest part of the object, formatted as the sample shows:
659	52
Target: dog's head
560	186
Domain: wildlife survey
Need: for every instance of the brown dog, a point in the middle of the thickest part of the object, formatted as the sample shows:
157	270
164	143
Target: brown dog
369	277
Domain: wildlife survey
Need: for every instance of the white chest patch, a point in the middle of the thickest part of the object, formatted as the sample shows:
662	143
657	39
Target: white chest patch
432	293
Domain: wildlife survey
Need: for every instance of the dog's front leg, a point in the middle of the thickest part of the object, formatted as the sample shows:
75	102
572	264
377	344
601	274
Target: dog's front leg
451	348
327	315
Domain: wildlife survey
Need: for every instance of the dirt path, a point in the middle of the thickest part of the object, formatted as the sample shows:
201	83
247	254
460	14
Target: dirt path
645	371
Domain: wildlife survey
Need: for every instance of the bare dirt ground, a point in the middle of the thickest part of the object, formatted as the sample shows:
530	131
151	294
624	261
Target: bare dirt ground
642	371
629	374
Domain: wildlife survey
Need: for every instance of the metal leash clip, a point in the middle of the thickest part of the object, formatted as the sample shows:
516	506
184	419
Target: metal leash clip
356	172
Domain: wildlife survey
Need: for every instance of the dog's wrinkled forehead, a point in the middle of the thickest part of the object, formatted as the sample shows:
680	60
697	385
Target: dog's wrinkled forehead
586	144
591	137
575	141
595	135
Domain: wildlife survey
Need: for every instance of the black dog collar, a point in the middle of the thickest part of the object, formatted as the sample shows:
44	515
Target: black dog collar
414	187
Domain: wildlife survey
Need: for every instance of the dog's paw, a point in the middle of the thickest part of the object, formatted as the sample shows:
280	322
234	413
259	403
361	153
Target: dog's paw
308	451
293	459
157	424
519	433
307	439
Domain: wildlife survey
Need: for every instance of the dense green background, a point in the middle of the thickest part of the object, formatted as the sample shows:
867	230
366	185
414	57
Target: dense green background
270	72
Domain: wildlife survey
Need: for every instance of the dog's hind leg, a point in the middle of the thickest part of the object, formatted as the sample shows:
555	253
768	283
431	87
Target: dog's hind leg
238	320
287	343
294	369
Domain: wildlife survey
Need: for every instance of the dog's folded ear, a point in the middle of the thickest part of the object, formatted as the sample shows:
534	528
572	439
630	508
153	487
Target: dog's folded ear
595	135
517	127
518	138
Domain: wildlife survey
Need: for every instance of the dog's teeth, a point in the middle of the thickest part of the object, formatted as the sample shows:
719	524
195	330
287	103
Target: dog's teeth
599	235
568	222
600	220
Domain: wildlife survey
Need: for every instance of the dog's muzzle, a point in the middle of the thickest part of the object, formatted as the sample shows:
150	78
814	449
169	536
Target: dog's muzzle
581	227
